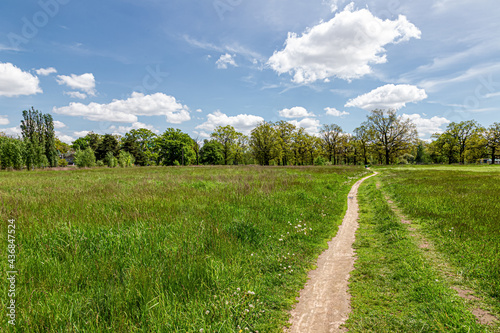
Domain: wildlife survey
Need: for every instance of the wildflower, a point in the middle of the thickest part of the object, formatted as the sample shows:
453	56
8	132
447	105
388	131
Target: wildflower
201	329
280	239
251	292
238	289
250	306
207	312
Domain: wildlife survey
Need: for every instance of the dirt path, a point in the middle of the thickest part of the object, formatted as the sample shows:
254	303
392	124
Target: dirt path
324	303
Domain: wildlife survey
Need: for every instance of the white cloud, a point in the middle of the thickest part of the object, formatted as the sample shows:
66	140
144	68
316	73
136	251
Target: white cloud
199	110
336	113
126	111
81	134
12	131
75	94
84	82
426	127
243	122
225	60
333	4
59	124
492	95
46	71
120	130
389	96
295	112
343	47
4	120
310	125
15	82
64	138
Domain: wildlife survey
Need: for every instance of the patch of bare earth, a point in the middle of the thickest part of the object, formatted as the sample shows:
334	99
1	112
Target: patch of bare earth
324	303
476	304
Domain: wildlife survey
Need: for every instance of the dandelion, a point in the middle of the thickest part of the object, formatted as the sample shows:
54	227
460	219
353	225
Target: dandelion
280	239
207	312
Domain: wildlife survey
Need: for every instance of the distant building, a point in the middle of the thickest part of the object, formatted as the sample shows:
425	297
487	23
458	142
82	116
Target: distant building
488	161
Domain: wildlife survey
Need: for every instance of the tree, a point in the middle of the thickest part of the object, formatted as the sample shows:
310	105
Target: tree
285	132
11	153
462	133
363	138
175	147
331	136
227	137
85	158
492	136
50	140
125	159
264	143
393	134
61	147
444	145
212	153
146	142
108	144
131	146
33	132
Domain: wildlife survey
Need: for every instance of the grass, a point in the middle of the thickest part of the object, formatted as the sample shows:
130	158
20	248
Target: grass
458	209
167	249
394	288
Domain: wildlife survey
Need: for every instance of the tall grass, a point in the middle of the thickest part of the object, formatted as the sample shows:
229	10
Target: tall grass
459	208
208	249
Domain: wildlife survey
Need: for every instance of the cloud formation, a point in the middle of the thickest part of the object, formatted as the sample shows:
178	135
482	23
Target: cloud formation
335	113
425	126
14	82
243	122
4	120
310	125
387	97
225	60
46	71
75	94
126	111
84	82
344	47
295	112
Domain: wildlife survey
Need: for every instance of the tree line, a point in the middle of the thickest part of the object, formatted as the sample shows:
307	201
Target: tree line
384	138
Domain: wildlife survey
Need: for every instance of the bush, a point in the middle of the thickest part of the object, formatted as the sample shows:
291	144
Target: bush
11	154
126	159
62	163
320	160
85	158
100	163
110	160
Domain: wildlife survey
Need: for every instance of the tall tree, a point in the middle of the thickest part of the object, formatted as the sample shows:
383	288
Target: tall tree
363	138
285	132
147	144
175	148
50	140
393	134
331	136
462	133
35	135
212	153
227	137
264	143
492	136
109	144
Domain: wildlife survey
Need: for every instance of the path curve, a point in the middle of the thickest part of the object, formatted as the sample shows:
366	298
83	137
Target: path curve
324	303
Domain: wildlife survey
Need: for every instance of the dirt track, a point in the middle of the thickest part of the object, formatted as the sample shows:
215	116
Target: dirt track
324	303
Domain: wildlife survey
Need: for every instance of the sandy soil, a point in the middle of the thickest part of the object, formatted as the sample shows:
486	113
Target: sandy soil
324	303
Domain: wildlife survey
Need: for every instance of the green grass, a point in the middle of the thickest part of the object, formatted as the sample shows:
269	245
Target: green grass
458	209
166	249
394	288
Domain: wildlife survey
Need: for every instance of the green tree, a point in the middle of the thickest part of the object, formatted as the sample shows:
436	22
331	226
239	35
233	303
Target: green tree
212	153
393	134
264	141
11	153
363	136
492	137
50	140
130	145
331	136
227	137
33	132
125	159
146	140
286	132
108	144
175	146
461	133
85	158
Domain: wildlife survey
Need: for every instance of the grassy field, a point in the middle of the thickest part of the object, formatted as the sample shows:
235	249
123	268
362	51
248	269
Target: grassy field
398	286
166	249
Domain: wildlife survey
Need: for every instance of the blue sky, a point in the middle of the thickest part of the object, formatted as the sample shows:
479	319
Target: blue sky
112	66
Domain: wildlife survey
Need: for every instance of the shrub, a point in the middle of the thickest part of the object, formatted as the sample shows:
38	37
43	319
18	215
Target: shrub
85	158
320	160
110	160
126	159
62	163
100	163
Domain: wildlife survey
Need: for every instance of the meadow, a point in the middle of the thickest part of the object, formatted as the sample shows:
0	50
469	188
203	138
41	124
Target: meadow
399	284
194	249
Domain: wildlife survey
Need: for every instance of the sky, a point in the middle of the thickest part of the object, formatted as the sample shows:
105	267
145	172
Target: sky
116	65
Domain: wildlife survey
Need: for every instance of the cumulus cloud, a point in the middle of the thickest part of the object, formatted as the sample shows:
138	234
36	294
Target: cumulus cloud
120	130
126	111
295	112
243	122
81	134
310	125
4	120
46	71
75	94
389	96
64	138
225	60
426	126
343	47
12	131
336	113
59	124
15	82
84	82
